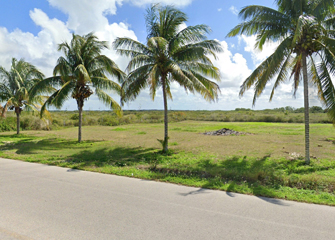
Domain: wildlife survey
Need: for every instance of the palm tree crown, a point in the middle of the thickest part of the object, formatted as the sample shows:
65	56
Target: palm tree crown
170	55
15	88
82	72
304	31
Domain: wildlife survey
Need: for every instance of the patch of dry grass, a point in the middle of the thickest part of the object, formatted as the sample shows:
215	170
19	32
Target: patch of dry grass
274	139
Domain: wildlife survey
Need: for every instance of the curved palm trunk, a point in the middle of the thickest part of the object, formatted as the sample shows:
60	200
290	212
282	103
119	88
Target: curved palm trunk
306	105
80	104
166	138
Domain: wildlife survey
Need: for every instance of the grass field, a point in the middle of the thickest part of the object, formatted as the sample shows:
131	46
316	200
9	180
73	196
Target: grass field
268	162
63	119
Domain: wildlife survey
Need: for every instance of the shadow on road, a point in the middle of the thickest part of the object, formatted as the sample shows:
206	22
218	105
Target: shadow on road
274	201
196	192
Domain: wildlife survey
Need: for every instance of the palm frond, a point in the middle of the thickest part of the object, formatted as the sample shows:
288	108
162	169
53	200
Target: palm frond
106	84
45	86
123	44
282	75
190	34
108	101
266	70
193	52
60	96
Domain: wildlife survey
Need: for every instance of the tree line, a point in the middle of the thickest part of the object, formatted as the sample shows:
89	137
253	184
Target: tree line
306	54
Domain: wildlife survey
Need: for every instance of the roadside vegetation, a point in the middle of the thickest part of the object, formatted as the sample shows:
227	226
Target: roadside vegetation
65	119
269	162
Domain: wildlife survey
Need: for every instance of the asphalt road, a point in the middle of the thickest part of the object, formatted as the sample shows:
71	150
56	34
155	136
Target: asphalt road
46	202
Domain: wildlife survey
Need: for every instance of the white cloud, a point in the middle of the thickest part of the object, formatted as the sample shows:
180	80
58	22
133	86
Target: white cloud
220	9
257	55
233	10
182	27
84	15
87	15
40	50
56	28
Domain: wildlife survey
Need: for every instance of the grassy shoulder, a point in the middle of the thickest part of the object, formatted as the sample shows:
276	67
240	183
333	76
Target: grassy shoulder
267	163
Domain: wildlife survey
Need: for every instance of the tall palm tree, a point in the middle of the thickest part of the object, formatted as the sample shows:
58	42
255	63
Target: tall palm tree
82	72
305	32
15	88
170	55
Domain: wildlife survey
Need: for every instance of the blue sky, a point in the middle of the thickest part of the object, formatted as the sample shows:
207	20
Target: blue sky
32	30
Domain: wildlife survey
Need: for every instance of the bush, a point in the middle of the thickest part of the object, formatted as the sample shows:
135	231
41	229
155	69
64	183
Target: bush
33	123
316	109
178	116
91	121
75	116
131	118
108	121
7	124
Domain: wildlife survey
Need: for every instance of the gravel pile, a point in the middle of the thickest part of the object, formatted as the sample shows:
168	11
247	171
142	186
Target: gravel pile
224	132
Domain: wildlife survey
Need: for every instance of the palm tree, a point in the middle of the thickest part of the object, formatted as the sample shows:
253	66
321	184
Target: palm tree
170	55
304	31
16	86
81	73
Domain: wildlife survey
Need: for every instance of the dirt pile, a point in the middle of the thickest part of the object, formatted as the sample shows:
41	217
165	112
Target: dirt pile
225	132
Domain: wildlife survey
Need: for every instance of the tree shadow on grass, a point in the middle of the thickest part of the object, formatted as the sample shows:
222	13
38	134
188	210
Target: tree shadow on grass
86	155
32	145
298	166
242	175
237	171
116	157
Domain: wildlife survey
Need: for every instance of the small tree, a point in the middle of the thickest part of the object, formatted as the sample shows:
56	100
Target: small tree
16	89
82	72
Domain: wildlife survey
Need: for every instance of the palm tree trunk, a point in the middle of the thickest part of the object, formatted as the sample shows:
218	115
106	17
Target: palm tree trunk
166	138
306	105
80	110
17	121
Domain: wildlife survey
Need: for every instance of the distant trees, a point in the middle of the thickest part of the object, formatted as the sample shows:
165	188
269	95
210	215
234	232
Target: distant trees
171	54
304	31
82	72
16	89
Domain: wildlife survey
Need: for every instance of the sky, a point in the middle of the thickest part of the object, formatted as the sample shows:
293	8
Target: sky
33	29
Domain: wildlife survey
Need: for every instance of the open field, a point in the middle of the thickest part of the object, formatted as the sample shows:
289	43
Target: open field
64	119
268	162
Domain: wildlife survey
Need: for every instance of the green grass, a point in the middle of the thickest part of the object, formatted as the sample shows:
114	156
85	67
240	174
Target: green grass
267	163
119	129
